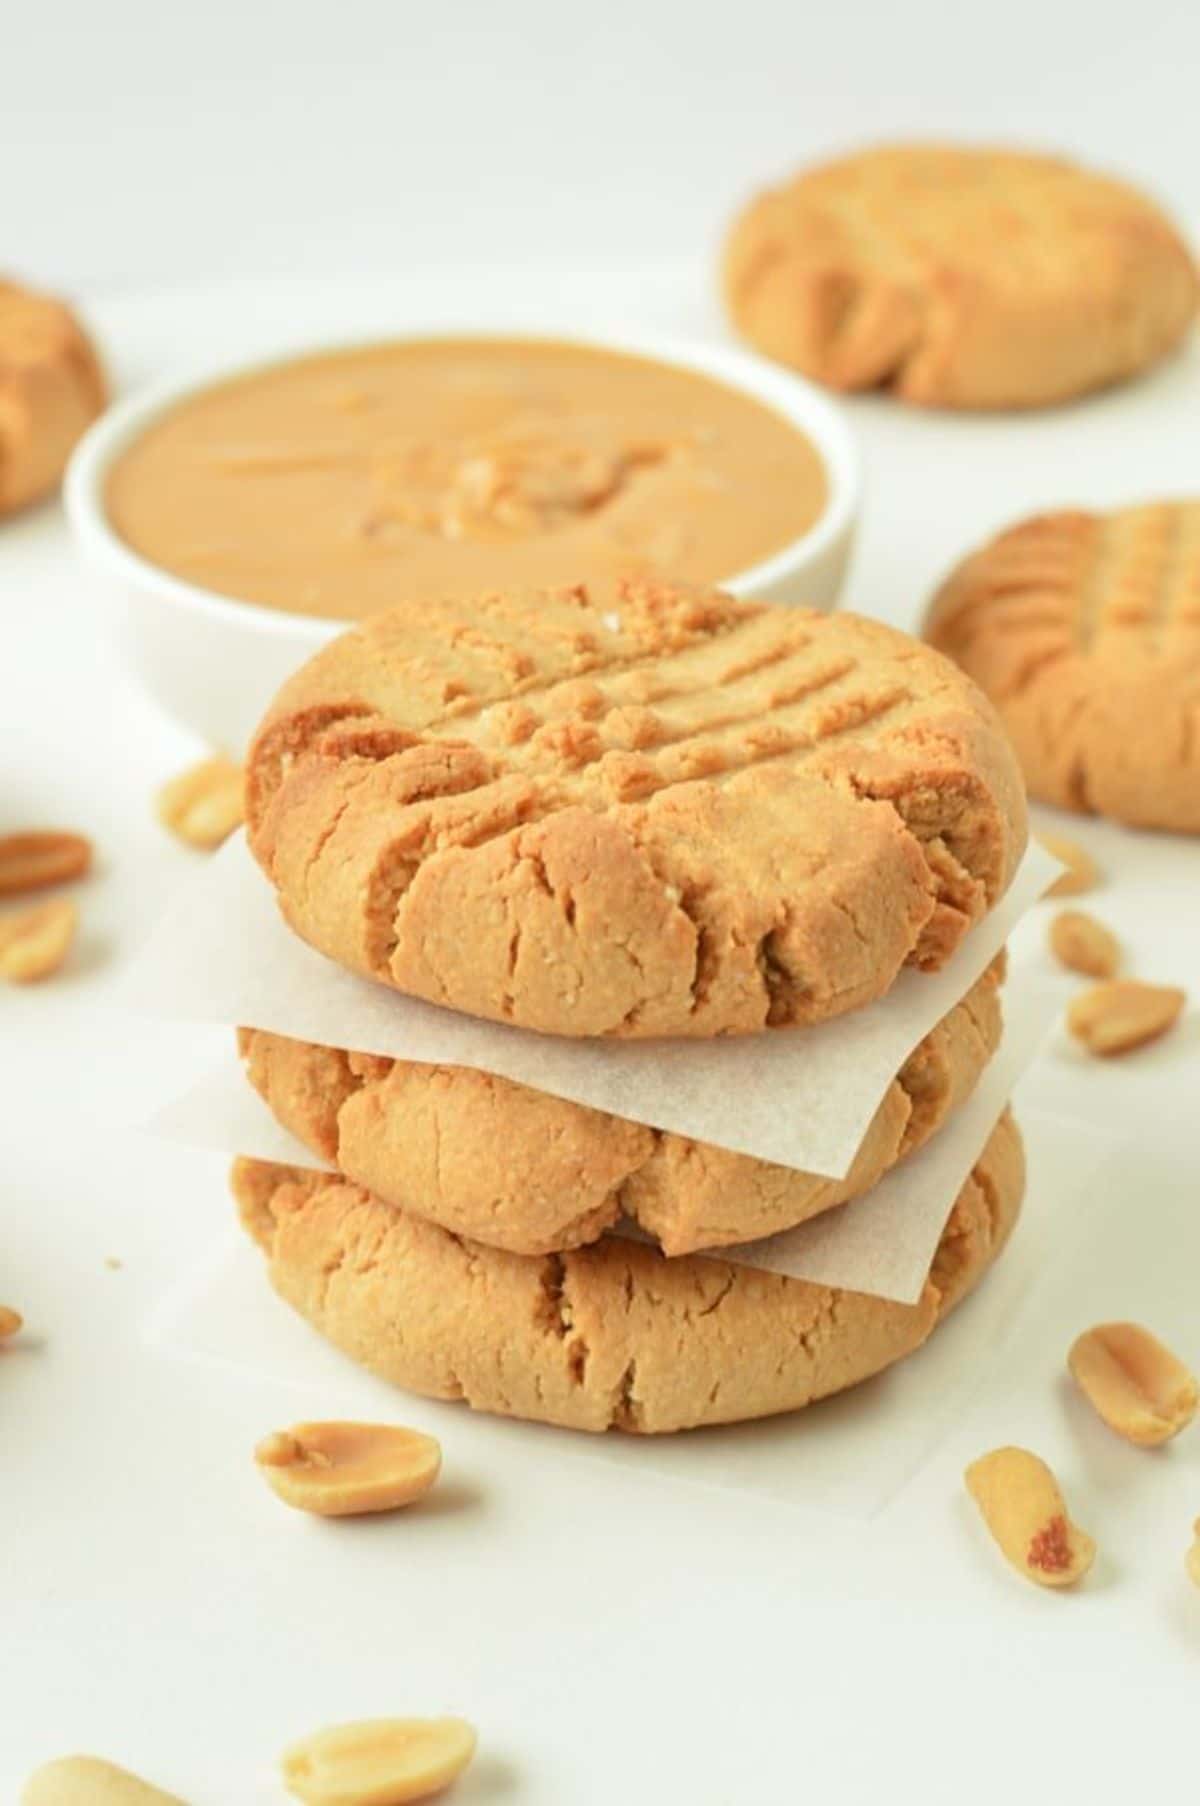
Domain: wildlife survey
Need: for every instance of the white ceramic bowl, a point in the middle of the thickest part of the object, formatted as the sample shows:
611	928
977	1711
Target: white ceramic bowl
214	663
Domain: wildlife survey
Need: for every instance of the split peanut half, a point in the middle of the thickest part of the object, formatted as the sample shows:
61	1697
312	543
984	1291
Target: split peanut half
1115	1018
1023	1508
203	805
86	1781
39	857
346	1469
1139	1388
379	1762
1082	872
1192	1559
34	942
1082	944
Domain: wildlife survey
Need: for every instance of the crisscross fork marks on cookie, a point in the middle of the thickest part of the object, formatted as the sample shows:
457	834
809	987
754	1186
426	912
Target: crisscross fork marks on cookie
1145	573
664	812
1103	705
1100	577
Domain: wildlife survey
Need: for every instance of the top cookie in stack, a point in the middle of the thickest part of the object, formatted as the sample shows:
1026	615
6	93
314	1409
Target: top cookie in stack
634	811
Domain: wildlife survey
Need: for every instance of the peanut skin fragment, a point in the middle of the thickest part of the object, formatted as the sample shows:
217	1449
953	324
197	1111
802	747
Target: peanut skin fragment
203	805
1115	1018
1082	873
1023	1508
34	942
86	1781
1135	1384
11	1322
347	1469
1082	944
39	857
378	1762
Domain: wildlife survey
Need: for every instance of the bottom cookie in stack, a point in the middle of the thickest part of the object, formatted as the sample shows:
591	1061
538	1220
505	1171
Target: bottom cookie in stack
611	1336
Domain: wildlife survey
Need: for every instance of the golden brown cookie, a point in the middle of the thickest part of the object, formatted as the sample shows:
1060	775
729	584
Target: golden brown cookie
518	1169
1084	629
611	1336
964	277
51	389
634	811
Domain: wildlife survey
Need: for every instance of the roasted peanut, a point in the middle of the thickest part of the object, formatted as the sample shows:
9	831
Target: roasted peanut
345	1469
11	1322
1024	1510
34	942
203	805
1082	944
1082	872
1115	1018
86	1781
379	1762
1135	1384
40	857
1192	1558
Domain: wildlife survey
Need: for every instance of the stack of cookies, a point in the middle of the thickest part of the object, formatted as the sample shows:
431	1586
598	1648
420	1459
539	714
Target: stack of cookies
626	813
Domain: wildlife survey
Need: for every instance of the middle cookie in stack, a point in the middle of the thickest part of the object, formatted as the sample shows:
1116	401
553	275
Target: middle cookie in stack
633	813
518	1169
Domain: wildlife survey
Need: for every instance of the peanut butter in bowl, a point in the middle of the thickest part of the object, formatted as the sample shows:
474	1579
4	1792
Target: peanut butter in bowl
331	484
235	525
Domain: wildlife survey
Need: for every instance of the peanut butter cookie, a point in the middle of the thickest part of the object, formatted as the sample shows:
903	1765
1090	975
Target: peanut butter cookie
611	1336
636	810
1084	629
51	389
518	1169
967	277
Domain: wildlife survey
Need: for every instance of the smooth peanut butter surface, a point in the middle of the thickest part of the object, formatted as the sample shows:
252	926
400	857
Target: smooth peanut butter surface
341	484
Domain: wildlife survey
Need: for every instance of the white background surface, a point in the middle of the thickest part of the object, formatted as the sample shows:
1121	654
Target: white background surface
616	1636
145	142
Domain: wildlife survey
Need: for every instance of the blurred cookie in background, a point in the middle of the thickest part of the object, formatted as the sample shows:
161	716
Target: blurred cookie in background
51	389
1084	629
959	277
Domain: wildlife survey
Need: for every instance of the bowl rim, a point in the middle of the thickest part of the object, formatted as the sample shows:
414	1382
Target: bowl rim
801	403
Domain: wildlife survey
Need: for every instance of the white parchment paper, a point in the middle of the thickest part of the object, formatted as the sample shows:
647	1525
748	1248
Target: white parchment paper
802	1097
882	1243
